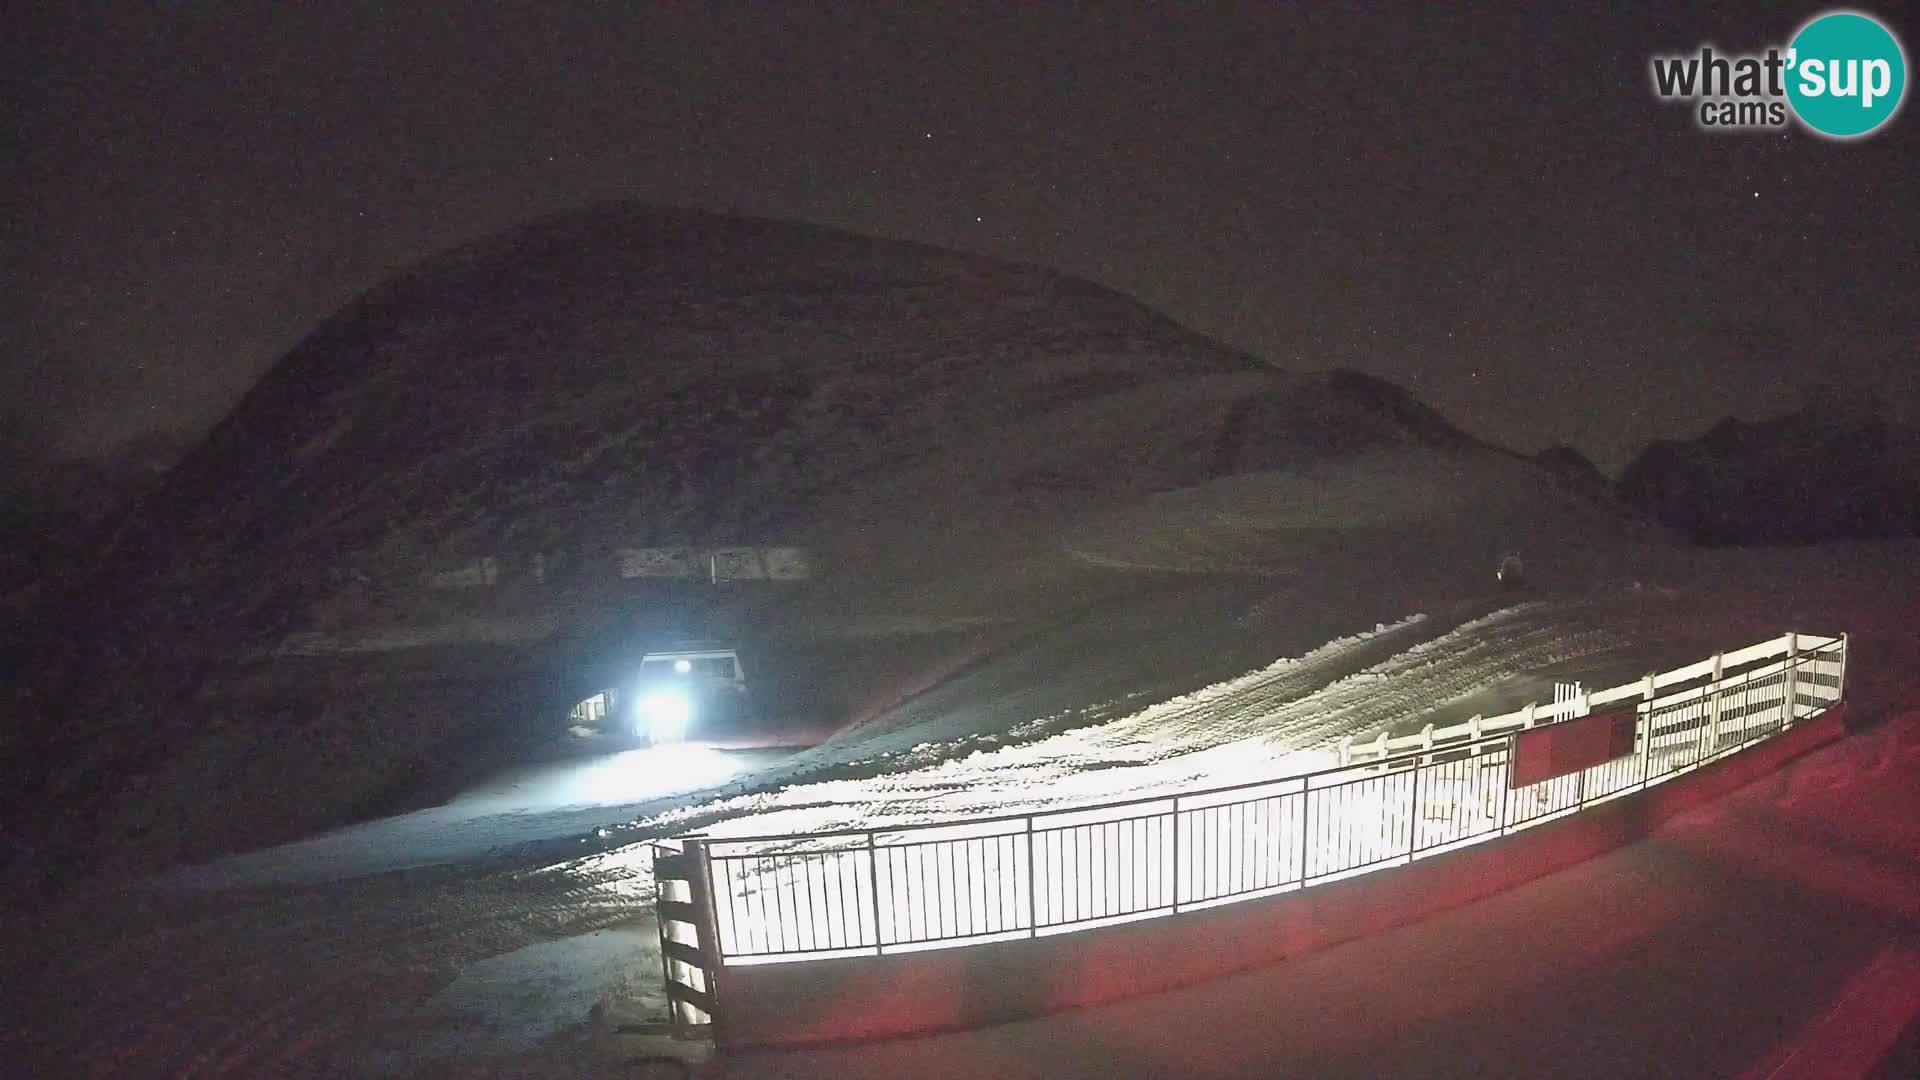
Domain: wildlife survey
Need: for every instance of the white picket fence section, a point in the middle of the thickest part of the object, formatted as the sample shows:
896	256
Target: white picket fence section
1578	702
1393	800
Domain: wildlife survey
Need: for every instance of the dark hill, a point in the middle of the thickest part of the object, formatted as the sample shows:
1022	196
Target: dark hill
1812	476
266	647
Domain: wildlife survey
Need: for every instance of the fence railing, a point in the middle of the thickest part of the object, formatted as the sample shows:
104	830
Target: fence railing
1394	800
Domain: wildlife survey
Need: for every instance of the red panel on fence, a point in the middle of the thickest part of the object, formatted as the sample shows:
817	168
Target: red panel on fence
1571	745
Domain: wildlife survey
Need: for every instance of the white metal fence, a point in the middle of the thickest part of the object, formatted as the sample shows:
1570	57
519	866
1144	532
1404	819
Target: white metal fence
1393	800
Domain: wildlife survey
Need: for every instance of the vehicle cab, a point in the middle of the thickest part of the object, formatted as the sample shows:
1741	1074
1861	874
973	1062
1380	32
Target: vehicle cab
682	694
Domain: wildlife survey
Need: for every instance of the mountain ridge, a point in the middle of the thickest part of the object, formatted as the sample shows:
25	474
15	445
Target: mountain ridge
935	428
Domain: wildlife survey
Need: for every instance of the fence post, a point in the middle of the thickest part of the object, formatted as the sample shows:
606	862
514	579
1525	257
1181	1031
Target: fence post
666	952
1582	706
703	884
1787	683
1840	691
700	896
1713	702
1346	749
1526	715
1645	731
1413	804
1506	789
873	891
1176	851
1306	807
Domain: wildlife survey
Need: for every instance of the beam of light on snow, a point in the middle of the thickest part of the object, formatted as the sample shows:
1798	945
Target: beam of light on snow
633	775
902	886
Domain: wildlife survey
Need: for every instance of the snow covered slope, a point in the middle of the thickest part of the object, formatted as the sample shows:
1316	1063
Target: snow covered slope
979	456
486	965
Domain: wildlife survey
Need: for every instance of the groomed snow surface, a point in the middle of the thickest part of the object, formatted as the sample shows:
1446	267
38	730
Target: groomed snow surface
475	937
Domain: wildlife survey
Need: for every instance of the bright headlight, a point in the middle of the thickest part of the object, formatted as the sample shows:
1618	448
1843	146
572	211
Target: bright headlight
664	714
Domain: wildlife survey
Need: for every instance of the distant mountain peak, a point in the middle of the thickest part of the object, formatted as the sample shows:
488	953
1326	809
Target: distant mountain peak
1833	469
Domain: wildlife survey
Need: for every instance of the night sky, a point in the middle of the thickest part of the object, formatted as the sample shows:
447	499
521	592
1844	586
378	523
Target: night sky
1490	208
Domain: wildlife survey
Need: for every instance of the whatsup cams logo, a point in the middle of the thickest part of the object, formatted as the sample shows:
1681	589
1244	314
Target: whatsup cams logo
1843	75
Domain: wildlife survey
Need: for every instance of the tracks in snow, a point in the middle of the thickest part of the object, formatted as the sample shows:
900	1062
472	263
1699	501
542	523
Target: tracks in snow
1266	722
268	981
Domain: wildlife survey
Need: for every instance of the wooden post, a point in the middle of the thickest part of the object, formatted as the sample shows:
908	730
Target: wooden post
660	923
707	925
692	866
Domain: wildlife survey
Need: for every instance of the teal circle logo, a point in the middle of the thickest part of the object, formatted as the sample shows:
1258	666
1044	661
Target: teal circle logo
1846	74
